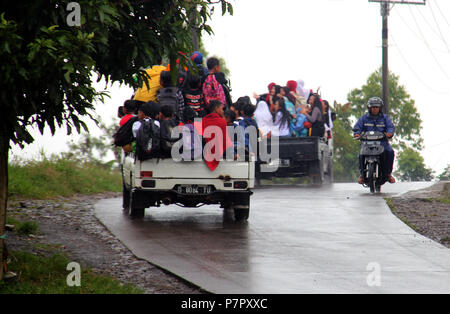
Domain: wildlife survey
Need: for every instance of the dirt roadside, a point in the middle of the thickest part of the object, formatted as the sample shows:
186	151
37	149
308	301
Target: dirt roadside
70	226
426	211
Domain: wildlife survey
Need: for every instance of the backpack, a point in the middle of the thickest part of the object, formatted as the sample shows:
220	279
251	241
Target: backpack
124	135
220	77
148	140
168	96
213	90
167	141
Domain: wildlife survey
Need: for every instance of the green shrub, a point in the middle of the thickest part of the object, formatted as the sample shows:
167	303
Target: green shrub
47	275
27	227
61	176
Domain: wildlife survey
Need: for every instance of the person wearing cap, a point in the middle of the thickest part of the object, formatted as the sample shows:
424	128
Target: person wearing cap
197	58
376	120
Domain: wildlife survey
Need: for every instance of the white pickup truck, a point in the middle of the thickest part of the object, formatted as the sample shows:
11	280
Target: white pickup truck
186	183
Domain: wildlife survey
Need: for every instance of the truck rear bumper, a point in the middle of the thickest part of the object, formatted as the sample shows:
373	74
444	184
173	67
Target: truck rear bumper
144	198
223	184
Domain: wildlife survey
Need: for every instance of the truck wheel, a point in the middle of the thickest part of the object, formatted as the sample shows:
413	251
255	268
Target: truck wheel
317	173
125	198
329	177
135	211
241	214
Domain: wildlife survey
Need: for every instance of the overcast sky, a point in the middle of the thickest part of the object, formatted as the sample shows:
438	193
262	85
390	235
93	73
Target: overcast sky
331	44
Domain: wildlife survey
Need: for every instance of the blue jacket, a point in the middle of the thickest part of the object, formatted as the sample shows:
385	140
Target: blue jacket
245	123
380	123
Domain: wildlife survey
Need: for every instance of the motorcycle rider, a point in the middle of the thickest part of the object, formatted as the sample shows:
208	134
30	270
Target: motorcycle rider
375	120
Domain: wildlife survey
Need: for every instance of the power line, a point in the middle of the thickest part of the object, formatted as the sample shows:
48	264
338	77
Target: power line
438	161
448	141
439	29
426	21
441	12
414	33
428	46
413	71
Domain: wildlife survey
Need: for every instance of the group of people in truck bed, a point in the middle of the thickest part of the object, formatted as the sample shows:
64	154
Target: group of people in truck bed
292	111
285	111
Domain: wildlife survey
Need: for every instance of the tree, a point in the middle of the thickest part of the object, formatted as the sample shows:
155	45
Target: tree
223	64
48	59
445	175
94	148
403	111
411	166
346	149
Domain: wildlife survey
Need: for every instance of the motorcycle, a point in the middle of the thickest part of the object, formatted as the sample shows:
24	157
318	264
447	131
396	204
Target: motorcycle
372	159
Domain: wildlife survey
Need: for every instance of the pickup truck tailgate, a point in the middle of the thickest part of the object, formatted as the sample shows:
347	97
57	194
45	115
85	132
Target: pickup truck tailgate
168	169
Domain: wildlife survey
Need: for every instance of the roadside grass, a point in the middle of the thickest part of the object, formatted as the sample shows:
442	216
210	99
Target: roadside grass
444	200
45	271
23	227
60	176
39	274
390	203
27	228
445	195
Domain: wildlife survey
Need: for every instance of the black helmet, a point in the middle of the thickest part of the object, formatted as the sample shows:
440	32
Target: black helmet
374	102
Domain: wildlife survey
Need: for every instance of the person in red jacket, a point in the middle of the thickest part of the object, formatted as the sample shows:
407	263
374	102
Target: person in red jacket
129	109
214	124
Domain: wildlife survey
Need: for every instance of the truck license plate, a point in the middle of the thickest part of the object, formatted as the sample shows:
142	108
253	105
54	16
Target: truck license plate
285	162
194	189
280	163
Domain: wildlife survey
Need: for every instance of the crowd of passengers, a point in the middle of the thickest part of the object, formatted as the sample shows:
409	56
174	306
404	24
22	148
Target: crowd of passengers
284	111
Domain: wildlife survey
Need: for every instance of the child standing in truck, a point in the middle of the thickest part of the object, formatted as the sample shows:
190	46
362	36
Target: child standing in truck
251	129
168	123
193	95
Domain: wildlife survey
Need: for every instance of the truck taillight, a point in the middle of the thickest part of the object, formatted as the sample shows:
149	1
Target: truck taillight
146	174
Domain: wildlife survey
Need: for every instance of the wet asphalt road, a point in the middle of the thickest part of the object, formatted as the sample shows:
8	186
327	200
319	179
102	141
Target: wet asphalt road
339	239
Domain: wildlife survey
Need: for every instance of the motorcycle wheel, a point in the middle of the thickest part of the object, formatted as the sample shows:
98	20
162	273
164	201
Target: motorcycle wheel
372	180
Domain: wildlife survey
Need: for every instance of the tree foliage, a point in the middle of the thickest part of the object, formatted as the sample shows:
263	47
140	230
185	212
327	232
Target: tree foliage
95	148
223	63
46	74
445	175
411	166
404	115
402	109
346	149
48	64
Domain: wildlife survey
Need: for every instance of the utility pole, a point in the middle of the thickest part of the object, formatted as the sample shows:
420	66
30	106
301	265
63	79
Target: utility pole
385	8
385	69
194	32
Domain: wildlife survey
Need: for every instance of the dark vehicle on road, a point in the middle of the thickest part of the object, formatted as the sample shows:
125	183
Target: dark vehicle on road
310	156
